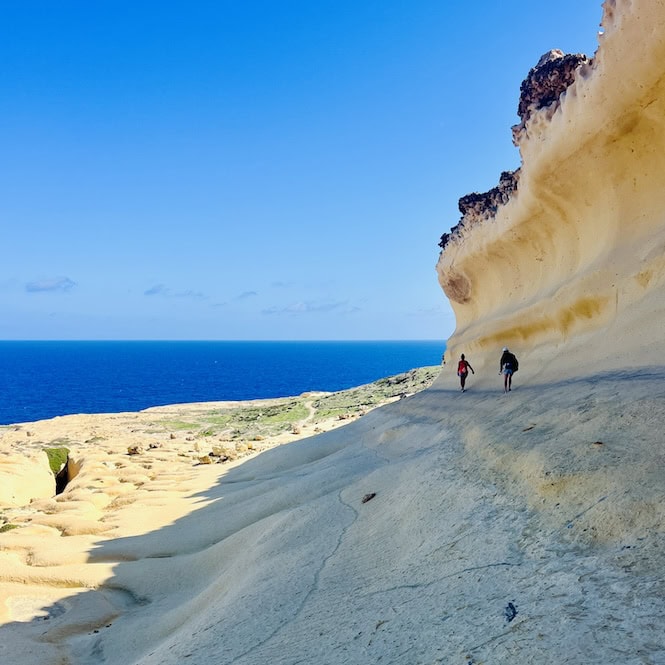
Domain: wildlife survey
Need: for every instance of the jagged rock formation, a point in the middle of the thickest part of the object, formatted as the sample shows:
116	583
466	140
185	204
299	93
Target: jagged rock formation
542	88
577	250
545	84
442	528
477	207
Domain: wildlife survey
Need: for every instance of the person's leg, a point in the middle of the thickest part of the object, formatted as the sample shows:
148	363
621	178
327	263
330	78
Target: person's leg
462	380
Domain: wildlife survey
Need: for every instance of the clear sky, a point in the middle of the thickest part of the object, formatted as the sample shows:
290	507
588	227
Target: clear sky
244	169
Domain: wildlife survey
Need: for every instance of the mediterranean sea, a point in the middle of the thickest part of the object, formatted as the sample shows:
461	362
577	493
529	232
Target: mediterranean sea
40	380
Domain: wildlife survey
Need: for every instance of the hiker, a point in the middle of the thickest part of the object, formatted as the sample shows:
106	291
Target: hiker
508	365
463	367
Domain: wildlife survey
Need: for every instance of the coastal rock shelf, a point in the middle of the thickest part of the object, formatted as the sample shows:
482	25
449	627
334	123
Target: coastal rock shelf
573	245
443	527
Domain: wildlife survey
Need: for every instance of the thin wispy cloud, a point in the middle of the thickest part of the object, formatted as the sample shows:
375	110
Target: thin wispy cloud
310	307
157	290
50	285
245	295
165	292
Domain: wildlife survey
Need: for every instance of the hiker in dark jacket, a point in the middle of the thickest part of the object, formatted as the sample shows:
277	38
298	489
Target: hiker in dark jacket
463	367
508	365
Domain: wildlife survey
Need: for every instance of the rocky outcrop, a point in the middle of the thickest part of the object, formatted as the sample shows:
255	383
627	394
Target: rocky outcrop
23	479
574	250
545	84
542	88
477	207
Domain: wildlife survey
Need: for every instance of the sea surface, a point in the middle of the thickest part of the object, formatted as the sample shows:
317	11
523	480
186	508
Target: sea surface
40	380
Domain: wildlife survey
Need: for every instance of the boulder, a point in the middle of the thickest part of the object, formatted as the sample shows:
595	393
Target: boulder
23	478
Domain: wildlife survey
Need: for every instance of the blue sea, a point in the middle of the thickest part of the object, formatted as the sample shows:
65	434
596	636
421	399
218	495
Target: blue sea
41	380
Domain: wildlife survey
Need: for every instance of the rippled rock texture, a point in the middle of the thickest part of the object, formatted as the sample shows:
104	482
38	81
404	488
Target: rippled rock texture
564	259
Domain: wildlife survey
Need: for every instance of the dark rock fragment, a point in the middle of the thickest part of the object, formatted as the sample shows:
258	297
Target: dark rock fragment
477	207
510	612
545	82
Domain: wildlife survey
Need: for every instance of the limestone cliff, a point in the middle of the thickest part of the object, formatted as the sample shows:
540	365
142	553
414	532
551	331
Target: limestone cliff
567	253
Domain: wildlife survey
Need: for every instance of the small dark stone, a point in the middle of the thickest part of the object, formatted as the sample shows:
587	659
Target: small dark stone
510	612
368	497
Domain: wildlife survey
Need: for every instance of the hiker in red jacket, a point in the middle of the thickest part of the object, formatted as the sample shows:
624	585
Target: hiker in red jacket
463	367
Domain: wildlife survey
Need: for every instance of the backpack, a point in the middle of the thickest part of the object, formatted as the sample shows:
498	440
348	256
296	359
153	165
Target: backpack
509	362
513	362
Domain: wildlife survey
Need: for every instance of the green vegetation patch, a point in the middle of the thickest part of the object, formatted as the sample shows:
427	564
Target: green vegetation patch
255	420
357	400
178	424
275	416
221	420
57	458
283	413
326	414
8	527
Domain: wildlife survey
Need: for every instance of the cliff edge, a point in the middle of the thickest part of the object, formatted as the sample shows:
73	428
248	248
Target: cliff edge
566	254
445	527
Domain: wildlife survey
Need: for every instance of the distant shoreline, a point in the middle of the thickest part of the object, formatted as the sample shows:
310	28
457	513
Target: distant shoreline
48	379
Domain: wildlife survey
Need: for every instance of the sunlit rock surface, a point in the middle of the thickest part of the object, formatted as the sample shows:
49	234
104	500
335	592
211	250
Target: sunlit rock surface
572	259
507	529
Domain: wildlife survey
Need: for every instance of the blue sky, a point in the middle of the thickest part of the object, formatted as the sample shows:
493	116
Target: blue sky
252	170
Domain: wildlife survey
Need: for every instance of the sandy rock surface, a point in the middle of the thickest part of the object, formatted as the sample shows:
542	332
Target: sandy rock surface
469	528
574	259
130	474
525	527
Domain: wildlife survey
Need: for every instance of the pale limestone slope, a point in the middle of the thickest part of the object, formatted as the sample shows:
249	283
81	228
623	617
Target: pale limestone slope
579	249
518	529
549	499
